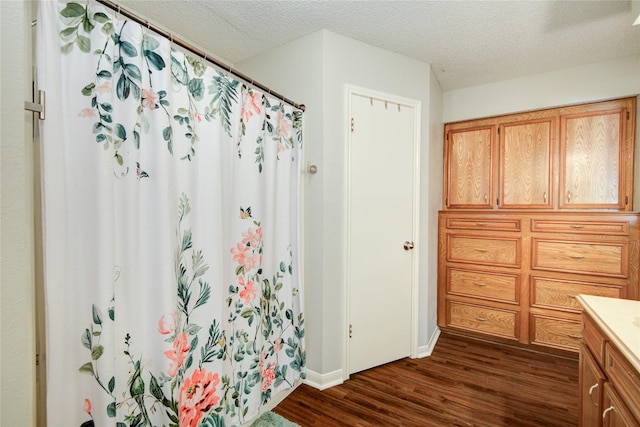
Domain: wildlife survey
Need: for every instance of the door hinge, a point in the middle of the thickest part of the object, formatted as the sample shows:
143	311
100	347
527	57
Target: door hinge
447	136
352	124
350	331
36	107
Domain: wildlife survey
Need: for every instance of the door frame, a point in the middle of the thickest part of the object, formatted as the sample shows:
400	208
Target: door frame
352	90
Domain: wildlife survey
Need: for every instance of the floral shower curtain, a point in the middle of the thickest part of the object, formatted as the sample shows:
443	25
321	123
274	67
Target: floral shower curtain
170	194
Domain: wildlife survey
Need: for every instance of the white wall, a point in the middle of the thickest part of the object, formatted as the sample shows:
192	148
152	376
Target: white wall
17	339
342	61
592	82
433	181
303	84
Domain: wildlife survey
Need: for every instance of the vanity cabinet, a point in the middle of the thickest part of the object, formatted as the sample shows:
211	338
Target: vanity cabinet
575	157
591	381
609	383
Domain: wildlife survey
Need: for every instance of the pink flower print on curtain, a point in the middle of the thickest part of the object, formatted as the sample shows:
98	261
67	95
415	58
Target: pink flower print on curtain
251	103
190	313
198	397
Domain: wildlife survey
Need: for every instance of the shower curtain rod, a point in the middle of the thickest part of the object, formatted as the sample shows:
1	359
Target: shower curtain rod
183	44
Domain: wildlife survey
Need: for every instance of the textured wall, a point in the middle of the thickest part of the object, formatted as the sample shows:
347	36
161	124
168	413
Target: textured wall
16	232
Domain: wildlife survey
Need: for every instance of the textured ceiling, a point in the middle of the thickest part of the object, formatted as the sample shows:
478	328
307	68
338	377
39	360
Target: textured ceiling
467	42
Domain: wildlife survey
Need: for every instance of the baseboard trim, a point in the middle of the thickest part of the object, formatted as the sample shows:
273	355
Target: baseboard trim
426	350
323	381
330	379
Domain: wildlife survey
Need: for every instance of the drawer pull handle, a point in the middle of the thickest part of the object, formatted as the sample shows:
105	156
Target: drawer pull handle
578	226
593	387
481	319
481	250
481	224
605	412
481	285
571	296
577	337
576	256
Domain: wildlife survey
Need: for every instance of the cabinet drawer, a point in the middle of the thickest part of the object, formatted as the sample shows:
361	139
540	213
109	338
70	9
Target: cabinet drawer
582	227
581	257
553	332
490	251
593	338
480	284
484	224
561	294
625	378
502	323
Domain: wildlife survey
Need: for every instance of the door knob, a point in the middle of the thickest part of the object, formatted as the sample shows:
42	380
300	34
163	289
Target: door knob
408	245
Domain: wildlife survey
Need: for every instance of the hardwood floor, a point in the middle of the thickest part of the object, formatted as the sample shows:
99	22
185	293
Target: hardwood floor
465	382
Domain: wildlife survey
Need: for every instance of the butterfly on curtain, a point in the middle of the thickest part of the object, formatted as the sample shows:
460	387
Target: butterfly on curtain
245	213
140	172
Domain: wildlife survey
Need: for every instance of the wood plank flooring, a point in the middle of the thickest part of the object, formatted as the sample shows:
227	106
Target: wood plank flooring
465	382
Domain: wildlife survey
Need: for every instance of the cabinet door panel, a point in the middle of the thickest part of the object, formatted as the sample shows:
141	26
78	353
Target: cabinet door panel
624	376
592	381
470	168
592	155
525	164
614	412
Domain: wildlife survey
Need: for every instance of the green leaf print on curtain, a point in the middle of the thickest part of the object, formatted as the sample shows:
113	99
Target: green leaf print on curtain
176	254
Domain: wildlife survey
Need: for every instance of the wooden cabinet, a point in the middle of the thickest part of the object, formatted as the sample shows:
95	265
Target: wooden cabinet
609	384
526	150
596	155
575	157
537	209
470	165
515	275
591	382
616	412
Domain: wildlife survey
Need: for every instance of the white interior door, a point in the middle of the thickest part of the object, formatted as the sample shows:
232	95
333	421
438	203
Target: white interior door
381	210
